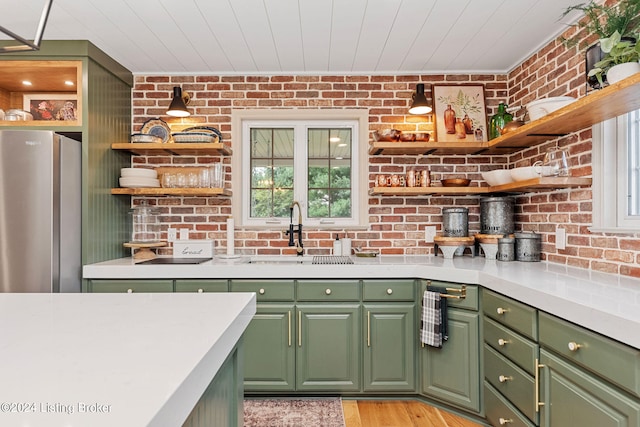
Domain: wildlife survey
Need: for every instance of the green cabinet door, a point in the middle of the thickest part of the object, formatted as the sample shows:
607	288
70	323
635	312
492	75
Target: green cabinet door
452	373
202	285
572	397
269	351
389	355
130	285
328	347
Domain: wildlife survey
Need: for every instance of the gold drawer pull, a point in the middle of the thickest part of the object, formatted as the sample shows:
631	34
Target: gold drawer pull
504	378
504	421
389	291
261	291
501	310
327	291
502	342
574	346
536	380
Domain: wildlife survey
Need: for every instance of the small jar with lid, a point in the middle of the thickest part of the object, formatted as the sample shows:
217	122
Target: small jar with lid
146	223
506	249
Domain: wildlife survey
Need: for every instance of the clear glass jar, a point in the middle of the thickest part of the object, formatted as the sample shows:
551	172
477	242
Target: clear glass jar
146	223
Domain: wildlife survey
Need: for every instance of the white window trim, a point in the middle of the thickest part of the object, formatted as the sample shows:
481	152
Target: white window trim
240	198
610	183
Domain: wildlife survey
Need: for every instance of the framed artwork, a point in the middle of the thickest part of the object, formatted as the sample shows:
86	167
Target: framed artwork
51	106
460	113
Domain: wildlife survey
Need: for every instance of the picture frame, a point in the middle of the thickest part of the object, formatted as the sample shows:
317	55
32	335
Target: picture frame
460	113
52	106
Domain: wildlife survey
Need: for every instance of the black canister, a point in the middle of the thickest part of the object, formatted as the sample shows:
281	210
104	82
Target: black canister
496	215
528	247
506	249
455	222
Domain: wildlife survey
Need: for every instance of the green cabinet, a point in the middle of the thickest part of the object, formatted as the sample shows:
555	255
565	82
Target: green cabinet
389	352
202	285
130	285
328	347
573	397
452	373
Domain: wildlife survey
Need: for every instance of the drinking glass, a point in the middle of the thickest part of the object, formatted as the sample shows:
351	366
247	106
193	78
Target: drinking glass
215	175
555	163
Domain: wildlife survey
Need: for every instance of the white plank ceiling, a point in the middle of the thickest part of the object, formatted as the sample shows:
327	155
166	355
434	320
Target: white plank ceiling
301	36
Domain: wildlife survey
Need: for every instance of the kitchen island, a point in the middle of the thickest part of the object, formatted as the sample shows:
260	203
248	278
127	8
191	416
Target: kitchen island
605	303
118	359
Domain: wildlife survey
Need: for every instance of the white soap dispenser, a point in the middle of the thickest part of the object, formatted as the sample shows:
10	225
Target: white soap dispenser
337	246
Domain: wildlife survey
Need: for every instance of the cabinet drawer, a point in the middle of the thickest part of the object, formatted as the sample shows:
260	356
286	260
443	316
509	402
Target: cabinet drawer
132	285
266	290
515	347
515	315
470	302
388	290
512	382
204	285
328	290
500	412
607	358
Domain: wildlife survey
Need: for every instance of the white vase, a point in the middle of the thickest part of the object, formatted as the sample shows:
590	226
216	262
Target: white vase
622	71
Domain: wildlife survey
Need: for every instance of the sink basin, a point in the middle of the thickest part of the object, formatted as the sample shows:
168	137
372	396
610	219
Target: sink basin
281	260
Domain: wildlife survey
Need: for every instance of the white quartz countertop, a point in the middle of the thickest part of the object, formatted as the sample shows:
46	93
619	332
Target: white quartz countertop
605	303
77	360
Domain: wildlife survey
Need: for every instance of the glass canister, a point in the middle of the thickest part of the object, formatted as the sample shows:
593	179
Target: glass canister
146	223
455	222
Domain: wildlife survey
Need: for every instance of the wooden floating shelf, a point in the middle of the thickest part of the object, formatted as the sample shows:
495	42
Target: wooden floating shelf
172	191
600	105
530	185
172	148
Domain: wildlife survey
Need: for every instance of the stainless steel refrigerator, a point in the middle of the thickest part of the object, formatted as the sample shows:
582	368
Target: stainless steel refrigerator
40	212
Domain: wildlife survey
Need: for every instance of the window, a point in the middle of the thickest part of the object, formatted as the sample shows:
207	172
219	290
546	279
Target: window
315	158
616	174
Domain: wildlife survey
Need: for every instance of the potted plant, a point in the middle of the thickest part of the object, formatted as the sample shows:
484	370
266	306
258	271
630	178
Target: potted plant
620	59
613	25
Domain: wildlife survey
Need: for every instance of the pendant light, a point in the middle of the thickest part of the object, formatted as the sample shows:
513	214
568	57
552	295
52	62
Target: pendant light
26	44
178	106
419	104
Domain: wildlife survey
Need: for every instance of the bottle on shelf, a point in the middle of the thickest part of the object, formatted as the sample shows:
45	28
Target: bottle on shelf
497	121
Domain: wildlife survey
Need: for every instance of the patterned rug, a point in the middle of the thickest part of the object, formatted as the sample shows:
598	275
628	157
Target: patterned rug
293	412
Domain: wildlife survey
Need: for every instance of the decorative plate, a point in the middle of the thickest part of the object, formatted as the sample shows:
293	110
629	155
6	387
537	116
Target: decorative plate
208	129
157	127
195	137
145	137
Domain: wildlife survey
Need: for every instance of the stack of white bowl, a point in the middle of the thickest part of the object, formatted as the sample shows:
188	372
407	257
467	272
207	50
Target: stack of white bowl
138	178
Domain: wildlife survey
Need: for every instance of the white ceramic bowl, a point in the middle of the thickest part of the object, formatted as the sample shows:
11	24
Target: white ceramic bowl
137	182
138	173
541	107
497	177
526	172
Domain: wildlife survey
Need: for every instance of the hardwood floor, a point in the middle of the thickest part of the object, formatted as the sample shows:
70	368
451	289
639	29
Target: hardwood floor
386	413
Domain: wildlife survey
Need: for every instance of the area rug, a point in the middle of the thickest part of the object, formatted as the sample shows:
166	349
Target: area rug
293	412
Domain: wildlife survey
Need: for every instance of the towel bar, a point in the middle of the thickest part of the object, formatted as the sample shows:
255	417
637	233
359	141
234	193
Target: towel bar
462	291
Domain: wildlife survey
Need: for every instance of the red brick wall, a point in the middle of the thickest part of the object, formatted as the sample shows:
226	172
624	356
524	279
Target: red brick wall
397	223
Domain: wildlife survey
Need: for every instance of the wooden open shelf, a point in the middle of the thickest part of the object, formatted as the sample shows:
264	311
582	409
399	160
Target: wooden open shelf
612	101
172	148
172	191
530	185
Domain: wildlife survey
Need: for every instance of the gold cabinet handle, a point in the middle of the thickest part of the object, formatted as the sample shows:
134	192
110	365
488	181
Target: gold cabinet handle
389	291
327	291
504	421
299	329
261	291
505	378
200	290
574	346
501	310
502	342
537	367
368	329
289	322
129	291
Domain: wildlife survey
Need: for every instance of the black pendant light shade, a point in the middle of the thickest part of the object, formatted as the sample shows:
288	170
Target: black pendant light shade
420	104
178	108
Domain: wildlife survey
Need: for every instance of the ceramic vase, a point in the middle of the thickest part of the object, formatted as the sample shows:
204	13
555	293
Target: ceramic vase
622	71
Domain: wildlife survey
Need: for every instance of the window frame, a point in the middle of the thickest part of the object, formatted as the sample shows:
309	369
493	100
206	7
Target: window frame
267	118
610	168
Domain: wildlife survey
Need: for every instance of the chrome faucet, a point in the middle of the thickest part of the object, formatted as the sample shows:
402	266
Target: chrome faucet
293	229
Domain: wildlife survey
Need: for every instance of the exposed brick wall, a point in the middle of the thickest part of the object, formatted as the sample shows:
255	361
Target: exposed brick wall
397	223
